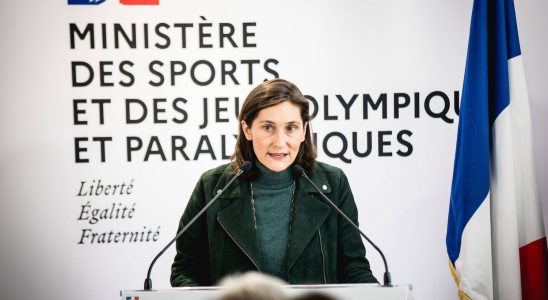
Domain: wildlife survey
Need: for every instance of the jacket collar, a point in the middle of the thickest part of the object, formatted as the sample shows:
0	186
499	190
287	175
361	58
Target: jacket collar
309	213
235	190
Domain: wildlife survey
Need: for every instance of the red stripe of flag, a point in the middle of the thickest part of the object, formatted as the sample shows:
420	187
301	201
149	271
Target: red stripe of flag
140	2
533	260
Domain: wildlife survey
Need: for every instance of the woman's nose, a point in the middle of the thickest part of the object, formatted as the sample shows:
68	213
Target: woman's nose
279	138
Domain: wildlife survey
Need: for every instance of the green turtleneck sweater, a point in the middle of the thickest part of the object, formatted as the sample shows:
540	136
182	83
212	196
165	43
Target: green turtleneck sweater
272	194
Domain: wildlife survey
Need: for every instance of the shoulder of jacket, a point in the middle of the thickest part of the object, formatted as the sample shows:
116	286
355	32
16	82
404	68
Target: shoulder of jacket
328	170
216	173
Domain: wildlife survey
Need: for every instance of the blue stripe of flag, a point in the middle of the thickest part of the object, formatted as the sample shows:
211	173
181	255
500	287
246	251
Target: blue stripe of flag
485	94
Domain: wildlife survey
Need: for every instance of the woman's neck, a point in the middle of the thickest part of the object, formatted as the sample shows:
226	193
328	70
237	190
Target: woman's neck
273	179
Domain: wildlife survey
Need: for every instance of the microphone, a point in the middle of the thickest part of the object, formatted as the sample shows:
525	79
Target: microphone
245	167
298	170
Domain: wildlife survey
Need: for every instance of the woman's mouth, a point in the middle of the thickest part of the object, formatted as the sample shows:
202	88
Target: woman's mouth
277	156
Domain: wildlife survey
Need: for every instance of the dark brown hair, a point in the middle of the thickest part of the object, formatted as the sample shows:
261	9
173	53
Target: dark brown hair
267	94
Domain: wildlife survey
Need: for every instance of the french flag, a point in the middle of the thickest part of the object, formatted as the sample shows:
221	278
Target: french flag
495	236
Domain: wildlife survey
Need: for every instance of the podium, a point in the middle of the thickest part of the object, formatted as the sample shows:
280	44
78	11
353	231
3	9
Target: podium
339	291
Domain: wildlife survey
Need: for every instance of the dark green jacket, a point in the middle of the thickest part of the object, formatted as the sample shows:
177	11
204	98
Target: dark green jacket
323	248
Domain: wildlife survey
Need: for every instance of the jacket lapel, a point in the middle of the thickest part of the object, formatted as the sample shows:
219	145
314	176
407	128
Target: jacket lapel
237	219
309	214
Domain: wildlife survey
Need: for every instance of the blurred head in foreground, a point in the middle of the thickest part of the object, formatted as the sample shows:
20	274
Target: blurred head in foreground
256	286
314	296
252	286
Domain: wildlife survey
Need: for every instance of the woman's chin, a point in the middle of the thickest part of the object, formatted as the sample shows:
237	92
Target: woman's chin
276	164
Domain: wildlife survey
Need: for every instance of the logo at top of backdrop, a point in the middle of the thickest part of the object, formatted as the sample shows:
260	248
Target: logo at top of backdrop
125	2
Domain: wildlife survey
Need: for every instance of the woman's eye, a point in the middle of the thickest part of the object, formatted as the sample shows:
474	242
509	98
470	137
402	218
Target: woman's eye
267	128
291	128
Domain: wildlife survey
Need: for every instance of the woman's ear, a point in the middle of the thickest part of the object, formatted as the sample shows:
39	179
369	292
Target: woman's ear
247	131
305	128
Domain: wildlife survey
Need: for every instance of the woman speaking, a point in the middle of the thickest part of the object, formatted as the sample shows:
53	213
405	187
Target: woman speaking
270	220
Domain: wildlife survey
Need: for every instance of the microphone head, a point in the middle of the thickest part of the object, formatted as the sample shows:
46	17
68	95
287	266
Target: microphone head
298	170
246	166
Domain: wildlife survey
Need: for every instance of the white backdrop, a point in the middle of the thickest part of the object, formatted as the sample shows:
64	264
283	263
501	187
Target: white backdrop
332	51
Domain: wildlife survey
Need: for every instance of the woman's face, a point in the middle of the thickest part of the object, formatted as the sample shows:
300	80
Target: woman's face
276	133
